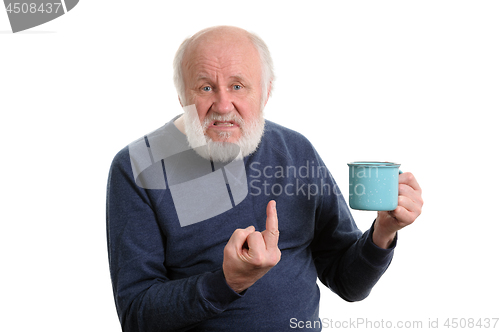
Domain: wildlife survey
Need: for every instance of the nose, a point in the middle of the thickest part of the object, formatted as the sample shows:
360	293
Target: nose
223	102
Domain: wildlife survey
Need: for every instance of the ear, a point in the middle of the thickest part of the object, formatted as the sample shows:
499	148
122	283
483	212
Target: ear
269	92
181	102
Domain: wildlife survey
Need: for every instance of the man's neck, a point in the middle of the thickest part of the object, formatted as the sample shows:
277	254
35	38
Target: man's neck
179	123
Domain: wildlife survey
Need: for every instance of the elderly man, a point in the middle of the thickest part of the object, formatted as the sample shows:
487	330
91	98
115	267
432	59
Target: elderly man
220	262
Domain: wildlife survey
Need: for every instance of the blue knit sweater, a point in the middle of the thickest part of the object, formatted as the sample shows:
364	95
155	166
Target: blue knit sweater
168	277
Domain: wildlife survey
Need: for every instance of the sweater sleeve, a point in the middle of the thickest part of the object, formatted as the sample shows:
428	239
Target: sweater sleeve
347	260
146	299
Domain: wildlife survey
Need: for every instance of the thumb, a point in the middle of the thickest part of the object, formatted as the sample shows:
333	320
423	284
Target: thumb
239	237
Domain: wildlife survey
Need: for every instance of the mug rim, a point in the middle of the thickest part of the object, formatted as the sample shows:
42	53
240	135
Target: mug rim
373	164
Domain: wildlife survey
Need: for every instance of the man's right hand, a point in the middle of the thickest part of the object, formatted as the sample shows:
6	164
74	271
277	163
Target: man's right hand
249	254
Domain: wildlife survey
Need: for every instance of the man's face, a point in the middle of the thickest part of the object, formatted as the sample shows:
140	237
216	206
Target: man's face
222	77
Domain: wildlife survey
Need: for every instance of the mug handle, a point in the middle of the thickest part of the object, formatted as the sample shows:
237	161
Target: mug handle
400	172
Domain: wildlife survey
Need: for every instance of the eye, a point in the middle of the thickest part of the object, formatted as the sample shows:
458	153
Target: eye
237	87
206	89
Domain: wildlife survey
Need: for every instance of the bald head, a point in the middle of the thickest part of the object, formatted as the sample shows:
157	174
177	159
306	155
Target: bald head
225	34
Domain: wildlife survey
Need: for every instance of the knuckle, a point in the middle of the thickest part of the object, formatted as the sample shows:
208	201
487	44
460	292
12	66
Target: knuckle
419	211
254	237
268	260
277	257
396	212
238	232
258	260
402	188
228	250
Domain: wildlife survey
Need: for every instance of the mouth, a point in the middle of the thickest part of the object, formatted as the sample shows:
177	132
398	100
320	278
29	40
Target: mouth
224	124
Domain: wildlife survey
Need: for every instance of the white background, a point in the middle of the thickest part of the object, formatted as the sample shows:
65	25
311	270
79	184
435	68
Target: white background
415	82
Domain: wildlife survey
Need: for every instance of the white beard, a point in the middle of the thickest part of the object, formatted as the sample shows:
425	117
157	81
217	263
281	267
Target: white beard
222	151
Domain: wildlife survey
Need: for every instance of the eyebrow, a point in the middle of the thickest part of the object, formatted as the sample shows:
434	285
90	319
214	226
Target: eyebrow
203	77
238	77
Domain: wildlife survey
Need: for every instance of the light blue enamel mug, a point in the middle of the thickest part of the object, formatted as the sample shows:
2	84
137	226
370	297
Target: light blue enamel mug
373	185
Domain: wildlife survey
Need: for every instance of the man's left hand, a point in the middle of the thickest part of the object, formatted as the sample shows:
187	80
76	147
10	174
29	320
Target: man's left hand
409	208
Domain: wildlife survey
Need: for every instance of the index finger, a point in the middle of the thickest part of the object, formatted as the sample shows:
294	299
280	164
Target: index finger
271	234
409	179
